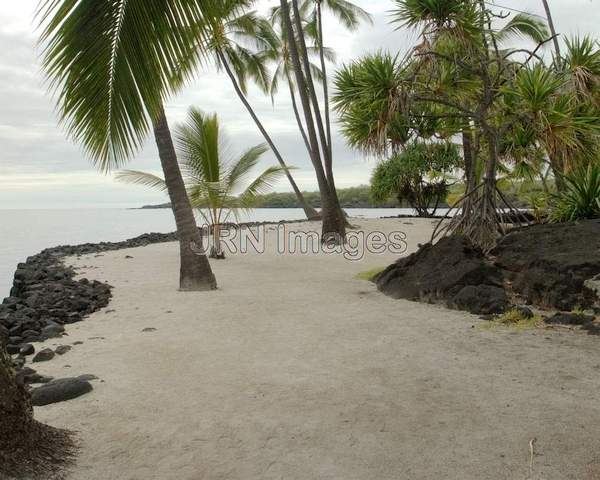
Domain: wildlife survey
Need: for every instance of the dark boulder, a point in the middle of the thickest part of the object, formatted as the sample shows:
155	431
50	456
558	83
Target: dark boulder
59	391
480	299
43	355
62	349
569	319
52	330
13	349
27	349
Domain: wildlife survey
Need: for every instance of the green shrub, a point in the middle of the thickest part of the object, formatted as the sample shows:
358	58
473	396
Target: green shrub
418	175
581	198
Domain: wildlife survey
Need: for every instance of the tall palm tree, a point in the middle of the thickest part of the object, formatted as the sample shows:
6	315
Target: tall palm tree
334	221
283	70
113	64
215	181
350	16
230	32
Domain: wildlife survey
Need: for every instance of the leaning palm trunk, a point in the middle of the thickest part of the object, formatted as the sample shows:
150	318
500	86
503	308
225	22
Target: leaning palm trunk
309	211
334	222
195	271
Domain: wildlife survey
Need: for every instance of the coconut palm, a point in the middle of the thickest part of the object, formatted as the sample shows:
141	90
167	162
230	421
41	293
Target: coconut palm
216	181
350	16
113	64
283	68
334	221
240	42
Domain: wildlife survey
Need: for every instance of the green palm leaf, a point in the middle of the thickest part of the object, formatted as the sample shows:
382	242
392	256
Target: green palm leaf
110	76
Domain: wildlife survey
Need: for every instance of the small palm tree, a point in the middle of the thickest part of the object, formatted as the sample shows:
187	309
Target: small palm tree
215	182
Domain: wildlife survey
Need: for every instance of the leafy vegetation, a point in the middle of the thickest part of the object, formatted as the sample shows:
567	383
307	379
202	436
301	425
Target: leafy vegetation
418	175
514	319
581	197
369	275
216	182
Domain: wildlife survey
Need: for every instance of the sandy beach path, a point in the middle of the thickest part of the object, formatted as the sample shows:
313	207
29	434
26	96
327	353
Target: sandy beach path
294	369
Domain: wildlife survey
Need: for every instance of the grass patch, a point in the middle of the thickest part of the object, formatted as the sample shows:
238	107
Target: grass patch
514	320
369	274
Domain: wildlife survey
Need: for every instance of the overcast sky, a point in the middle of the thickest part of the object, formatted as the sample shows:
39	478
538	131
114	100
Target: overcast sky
40	167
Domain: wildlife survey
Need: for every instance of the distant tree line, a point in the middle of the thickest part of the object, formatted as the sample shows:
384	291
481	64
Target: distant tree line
352	197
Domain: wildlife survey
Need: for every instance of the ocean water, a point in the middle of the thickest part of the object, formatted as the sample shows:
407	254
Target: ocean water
27	232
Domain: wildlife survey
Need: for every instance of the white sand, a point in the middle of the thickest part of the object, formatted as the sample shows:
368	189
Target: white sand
293	369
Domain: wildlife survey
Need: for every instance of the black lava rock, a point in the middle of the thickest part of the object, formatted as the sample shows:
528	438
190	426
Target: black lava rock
480	299
43	355
438	272
27	349
62	349
59	391
568	319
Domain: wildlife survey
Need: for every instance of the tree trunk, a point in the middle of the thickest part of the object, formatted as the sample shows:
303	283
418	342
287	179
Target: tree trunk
297	113
16	413
304	62
552	29
334	221
309	211
28	449
469	159
195	273
324	70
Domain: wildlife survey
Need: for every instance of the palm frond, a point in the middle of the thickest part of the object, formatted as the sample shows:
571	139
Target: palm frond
113	63
525	26
135	177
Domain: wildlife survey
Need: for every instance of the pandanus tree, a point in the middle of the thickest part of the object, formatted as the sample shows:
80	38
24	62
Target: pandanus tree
241	42
113	64
461	47
217	182
334	221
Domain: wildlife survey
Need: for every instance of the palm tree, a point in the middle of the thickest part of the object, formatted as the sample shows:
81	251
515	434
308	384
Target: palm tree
214	181
283	69
334	221
230	31
113	64
350	16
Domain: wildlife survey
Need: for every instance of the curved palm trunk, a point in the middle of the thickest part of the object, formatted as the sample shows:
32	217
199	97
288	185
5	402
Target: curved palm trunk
195	272
309	211
552	29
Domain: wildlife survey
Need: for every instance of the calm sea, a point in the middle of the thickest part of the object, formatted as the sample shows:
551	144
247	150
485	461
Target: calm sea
26	232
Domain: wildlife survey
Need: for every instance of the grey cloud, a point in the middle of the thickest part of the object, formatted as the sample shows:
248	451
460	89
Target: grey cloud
32	143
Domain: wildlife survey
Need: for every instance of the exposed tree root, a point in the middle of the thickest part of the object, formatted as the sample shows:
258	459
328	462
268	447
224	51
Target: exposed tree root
483	216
